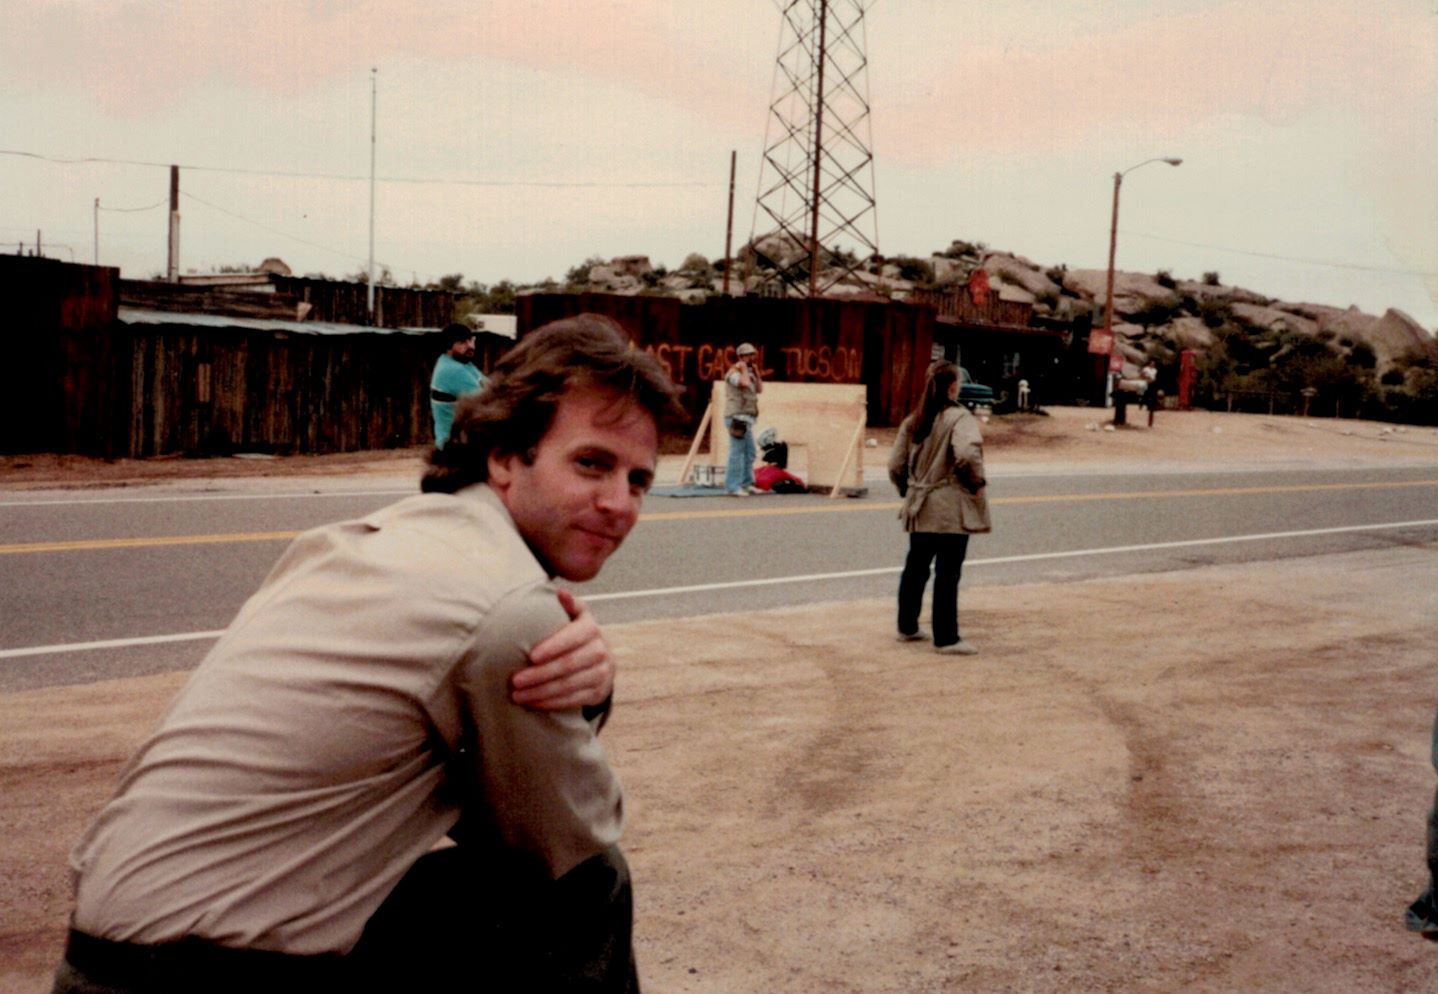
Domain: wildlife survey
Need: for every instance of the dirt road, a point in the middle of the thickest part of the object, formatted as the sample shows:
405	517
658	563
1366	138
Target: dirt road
1209	781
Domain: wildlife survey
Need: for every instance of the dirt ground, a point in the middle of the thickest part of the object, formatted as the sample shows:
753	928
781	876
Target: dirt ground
1212	780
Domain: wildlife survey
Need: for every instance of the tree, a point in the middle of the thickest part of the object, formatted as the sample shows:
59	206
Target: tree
579	275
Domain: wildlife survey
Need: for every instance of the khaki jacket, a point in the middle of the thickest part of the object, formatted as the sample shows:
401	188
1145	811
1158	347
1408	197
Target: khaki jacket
942	479
357	706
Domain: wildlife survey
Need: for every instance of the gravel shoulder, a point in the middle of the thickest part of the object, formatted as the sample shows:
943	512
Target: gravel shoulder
1211	780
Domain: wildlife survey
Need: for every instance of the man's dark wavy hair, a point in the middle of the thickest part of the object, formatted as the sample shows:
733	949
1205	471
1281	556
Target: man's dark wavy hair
514	411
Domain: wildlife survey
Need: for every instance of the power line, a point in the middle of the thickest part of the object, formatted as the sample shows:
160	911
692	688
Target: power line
131	210
273	231
1286	258
417	180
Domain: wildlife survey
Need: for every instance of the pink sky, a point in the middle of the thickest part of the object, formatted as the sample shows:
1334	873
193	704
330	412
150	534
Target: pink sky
1308	129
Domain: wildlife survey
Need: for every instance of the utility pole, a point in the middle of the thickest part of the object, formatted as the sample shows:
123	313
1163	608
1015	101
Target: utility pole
729	228
97	231
373	105
172	268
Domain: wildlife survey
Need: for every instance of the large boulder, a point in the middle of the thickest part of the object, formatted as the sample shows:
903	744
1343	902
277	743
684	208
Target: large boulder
949	271
1189	333
1395	333
778	248
1017	271
1274	319
1203	292
632	265
609	279
1012	292
1132	292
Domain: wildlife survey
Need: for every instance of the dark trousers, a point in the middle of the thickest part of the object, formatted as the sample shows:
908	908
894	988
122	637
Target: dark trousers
454	922
946	552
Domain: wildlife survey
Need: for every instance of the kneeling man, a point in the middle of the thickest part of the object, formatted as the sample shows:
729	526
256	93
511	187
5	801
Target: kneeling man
397	679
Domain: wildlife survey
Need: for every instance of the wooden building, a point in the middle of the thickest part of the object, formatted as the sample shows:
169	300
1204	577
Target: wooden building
119	368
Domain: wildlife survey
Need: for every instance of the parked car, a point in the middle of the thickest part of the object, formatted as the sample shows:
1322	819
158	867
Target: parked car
974	395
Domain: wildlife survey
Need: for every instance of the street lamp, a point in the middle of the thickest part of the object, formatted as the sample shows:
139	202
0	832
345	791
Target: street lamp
1112	249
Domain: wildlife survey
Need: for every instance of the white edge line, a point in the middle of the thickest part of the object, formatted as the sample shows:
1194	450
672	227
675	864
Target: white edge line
1000	560
178	498
42	650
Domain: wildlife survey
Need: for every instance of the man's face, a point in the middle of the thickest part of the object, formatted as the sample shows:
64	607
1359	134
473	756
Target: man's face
576	500
463	350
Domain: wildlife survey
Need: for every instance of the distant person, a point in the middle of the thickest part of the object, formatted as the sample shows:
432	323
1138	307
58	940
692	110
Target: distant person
1151	394
1023	395
455	376
774	475
937	464
407	676
742	386
1422	914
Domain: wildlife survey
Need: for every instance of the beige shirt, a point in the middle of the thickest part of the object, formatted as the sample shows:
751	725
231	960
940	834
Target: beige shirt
355	707
943	476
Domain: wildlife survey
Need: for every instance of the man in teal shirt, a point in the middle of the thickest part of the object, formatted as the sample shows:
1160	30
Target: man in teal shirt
455	375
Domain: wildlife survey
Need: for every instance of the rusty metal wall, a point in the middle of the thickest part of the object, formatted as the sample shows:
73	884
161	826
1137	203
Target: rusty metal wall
885	346
55	383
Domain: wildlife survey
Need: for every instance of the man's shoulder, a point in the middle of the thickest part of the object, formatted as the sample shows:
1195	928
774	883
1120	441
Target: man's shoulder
466	538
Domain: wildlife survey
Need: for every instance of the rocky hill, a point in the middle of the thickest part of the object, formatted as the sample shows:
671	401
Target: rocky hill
1153	314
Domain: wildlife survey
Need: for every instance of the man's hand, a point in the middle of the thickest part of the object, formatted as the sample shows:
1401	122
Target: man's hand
571	668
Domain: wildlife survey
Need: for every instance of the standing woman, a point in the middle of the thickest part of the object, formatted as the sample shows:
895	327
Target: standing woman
938	465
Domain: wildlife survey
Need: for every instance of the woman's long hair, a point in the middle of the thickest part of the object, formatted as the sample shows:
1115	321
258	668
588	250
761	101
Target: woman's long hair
942	376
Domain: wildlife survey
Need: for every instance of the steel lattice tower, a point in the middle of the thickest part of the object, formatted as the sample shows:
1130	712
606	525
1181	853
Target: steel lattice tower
816	180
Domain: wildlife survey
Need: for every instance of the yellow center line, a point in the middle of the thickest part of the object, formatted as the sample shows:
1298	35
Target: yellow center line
749	511
87	544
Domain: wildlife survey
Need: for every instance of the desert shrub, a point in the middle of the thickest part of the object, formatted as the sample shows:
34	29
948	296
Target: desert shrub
1165	279
960	249
1210	278
913	269
1057	273
1155	312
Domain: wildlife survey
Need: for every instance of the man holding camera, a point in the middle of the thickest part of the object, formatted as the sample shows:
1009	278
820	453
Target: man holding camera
742	386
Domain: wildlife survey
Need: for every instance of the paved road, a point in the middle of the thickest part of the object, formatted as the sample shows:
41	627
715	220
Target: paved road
130	569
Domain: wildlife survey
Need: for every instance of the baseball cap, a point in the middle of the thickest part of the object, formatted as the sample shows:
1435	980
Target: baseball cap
746	349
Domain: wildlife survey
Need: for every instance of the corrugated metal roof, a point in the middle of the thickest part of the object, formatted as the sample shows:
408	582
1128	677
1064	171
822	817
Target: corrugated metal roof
139	315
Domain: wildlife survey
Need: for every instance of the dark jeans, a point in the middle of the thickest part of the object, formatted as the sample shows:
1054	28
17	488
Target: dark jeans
946	552
453	922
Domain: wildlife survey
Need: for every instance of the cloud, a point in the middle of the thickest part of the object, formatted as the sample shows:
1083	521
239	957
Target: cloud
1156	79
141	57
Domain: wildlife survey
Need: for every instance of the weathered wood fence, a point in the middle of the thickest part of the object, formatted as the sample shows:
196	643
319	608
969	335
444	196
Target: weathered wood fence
85	381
